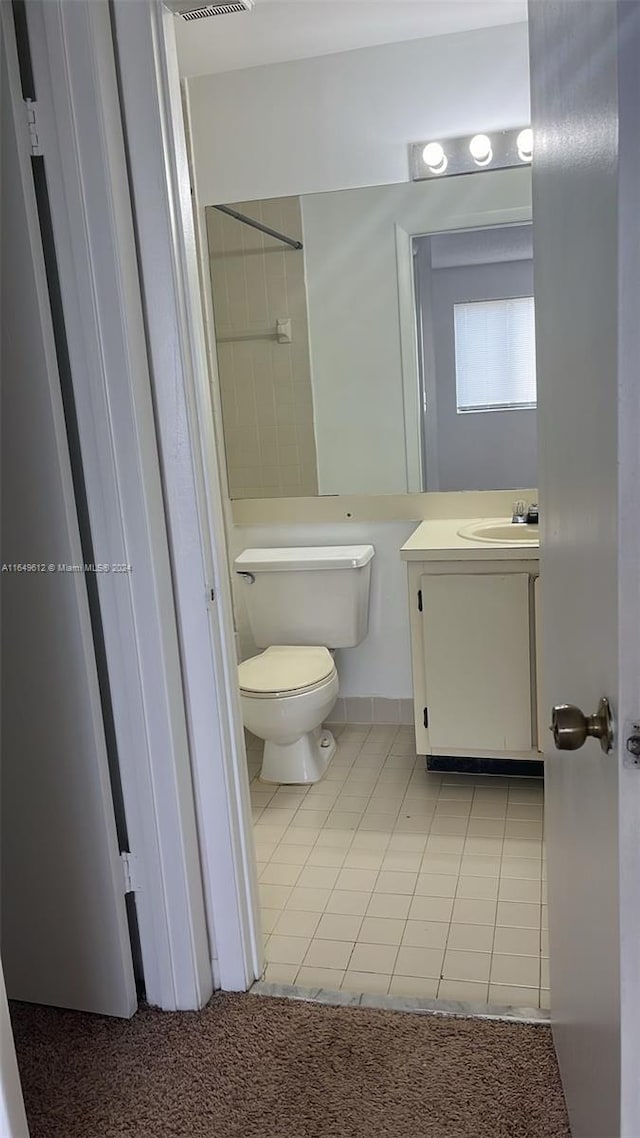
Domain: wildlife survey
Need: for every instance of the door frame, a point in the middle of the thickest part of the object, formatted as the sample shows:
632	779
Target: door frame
79	129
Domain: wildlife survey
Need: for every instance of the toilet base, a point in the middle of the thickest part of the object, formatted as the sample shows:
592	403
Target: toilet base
299	763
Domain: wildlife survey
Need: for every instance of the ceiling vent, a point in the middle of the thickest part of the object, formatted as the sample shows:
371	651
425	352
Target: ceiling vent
195	10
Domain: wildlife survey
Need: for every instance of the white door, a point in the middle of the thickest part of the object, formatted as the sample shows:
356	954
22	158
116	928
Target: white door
586	188
65	938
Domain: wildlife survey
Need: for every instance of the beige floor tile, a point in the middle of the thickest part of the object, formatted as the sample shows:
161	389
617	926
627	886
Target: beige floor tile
325	856
338	926
289	798
414	824
444	825
485	828
358	879
474	912
383	823
522	847
544	942
299	836
291	855
440	863
518	915
311	819
318	877
276	874
371	840
417	986
329	978
480	865
364	859
526	868
269	917
328	954
521	828
436	885
389	905
462	793
308	900
381	930
274	896
294	922
419	962
445	843
351	803
402	861
339	839
390	881
544	973
425	934
483	846
452	807
523	970
528	811
465	990
352	902
265	850
431	909
281	973
477	888
369	983
286	949
407	843
517	941
341	820
544	916
471	938
519	889
510	996
545	998
266	834
462	965
378	958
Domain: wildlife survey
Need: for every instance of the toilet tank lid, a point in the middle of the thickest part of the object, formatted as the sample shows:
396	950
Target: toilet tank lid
304	557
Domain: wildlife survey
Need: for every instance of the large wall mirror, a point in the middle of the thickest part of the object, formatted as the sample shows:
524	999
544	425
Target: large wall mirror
377	340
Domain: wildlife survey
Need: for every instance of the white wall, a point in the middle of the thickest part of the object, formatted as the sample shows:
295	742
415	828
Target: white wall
354	321
381	665
346	120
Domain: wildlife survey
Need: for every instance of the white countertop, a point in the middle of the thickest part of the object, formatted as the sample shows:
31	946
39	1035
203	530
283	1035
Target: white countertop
439	540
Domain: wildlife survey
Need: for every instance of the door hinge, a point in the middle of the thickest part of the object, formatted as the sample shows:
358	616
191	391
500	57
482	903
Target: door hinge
419	600
426	717
33	126
128	863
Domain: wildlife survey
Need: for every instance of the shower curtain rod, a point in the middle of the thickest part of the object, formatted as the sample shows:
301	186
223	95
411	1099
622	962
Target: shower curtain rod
258	225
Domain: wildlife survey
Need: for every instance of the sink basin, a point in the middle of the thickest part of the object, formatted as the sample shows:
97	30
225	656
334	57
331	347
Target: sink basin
500	531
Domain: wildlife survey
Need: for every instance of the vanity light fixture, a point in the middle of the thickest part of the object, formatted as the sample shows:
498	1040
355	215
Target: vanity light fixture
480	149
524	142
500	150
435	158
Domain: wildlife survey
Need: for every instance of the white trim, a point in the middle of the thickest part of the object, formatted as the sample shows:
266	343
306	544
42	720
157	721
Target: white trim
79	111
150	93
409	360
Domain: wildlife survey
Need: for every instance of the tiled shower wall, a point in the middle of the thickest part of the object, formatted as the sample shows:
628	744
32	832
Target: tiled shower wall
267	405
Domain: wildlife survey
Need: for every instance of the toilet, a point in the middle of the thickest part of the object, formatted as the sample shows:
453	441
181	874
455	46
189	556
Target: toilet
301	603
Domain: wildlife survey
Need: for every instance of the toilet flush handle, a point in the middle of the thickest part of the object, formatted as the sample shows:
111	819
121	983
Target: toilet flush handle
250	577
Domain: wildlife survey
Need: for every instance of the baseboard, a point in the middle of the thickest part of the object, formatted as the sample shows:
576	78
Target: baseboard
372	709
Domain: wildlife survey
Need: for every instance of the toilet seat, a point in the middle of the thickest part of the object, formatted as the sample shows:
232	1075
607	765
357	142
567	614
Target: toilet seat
285	670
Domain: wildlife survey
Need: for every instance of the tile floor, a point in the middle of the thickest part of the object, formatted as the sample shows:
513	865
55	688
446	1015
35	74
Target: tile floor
383	878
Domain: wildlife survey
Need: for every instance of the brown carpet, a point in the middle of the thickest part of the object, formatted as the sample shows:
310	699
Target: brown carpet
258	1067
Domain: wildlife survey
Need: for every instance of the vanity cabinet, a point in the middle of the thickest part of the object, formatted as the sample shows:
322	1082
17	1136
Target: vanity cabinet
473	641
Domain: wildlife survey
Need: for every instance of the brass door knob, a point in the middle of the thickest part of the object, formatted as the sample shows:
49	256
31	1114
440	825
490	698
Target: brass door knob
571	727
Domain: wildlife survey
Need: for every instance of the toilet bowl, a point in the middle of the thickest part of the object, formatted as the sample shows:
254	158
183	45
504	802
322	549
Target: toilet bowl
286	692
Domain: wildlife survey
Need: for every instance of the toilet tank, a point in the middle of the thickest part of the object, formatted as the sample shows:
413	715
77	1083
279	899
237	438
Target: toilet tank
311	595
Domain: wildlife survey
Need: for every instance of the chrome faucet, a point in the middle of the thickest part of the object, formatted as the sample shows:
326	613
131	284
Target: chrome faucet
519	516
524	514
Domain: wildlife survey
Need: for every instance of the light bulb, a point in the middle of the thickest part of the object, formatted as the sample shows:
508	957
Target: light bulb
524	143
480	149
435	158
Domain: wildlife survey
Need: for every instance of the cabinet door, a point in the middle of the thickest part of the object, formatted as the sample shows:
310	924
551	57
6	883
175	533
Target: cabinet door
477	661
